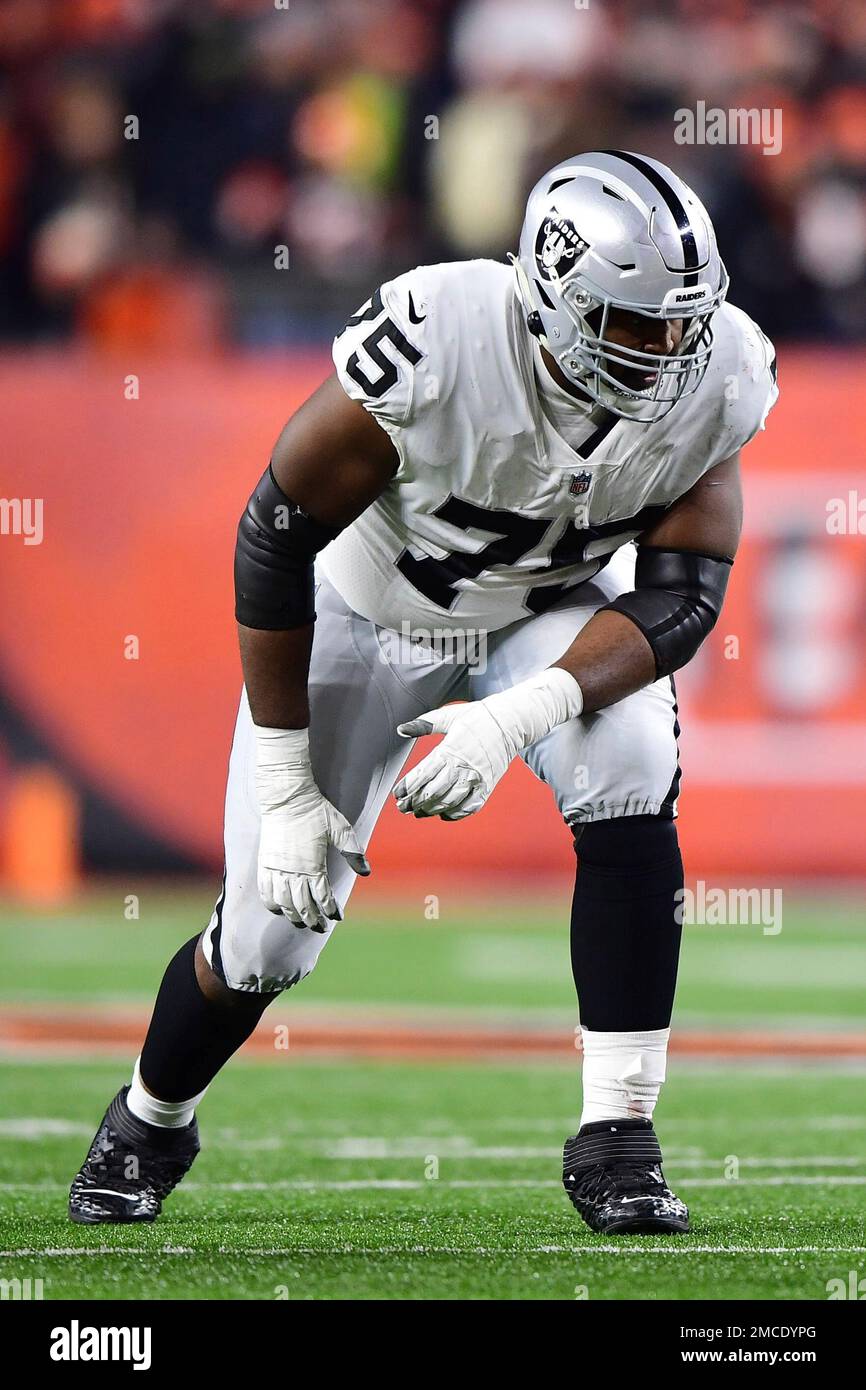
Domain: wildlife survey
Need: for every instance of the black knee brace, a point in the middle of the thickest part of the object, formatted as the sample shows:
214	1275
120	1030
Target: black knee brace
625	922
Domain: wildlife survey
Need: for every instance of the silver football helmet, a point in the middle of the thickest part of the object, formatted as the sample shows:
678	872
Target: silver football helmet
615	230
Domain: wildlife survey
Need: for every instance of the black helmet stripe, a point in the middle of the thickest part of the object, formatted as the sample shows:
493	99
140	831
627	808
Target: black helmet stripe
691	259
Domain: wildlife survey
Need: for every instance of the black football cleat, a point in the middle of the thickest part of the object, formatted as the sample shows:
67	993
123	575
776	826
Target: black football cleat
130	1168
612	1171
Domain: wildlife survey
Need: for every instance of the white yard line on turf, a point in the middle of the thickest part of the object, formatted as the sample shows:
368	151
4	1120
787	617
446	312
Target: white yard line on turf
448	1146
417	1184
41	1127
454	1146
798	1180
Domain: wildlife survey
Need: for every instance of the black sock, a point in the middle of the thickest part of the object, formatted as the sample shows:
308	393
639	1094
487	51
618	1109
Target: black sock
625	927
190	1037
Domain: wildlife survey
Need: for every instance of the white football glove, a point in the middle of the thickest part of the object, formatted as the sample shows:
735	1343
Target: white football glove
480	740
298	825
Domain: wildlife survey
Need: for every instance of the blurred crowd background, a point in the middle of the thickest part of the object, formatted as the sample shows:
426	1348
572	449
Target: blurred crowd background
362	135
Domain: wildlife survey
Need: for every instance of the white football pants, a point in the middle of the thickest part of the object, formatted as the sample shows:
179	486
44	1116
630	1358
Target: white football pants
620	761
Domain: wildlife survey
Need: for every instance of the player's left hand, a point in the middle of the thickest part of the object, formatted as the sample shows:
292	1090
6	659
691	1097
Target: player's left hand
455	780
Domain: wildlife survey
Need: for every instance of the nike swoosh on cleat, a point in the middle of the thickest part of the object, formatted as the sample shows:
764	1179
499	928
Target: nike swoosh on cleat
413	316
109	1192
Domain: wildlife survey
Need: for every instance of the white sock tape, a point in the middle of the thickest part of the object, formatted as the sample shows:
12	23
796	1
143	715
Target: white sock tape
622	1074
168	1114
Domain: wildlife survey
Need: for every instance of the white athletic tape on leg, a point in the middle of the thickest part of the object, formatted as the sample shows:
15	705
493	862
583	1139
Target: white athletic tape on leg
622	1074
164	1113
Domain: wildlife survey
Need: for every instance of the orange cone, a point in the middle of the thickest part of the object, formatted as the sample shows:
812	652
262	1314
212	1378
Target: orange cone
40	849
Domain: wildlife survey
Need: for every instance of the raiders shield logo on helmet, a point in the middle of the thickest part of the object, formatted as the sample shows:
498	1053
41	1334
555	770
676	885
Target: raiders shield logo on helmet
558	247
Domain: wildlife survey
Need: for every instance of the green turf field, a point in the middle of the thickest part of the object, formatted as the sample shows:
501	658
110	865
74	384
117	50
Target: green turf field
356	1179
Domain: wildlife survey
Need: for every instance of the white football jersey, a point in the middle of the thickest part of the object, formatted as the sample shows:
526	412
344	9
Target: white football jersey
492	515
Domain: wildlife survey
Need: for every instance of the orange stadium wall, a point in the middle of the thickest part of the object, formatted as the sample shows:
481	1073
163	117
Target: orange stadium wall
140	501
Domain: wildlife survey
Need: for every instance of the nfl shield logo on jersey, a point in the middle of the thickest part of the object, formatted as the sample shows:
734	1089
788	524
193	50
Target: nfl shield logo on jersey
580	484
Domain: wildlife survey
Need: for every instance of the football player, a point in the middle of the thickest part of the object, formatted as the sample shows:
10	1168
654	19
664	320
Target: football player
545	453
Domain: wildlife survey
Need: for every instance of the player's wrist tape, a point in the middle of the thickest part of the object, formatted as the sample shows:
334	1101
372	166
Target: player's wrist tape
276	545
532	708
677	598
557	698
282	747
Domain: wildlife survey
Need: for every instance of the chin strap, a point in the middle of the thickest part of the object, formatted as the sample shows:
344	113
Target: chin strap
524	294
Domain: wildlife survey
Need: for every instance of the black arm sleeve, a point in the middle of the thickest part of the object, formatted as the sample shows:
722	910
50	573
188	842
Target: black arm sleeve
676	600
274	560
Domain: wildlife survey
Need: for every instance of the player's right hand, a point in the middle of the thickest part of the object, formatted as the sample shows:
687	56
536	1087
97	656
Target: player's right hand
297	827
